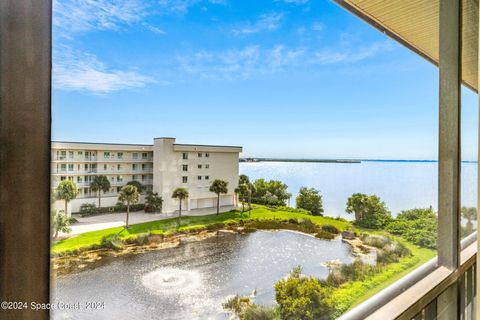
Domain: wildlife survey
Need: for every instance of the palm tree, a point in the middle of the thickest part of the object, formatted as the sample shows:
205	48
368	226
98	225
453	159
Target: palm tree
129	195
60	222
219	186
243	192
136	184
67	190
180	194
99	184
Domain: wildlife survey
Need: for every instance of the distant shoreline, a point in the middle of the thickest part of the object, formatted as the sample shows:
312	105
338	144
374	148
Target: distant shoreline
255	160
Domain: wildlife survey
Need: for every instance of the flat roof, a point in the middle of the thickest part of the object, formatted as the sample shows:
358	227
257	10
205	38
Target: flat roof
107	143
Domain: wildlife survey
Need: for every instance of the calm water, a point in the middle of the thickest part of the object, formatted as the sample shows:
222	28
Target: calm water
402	185
191	281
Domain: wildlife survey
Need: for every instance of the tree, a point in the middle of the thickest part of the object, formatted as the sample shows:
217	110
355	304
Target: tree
270	193
153	202
60	223
99	184
301	297
469	213
180	194
67	190
136	184
128	195
370	211
219	186
311	200
243	192
418	226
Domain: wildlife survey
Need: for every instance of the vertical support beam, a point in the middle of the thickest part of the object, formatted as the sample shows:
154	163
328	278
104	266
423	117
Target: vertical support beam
449	134
25	98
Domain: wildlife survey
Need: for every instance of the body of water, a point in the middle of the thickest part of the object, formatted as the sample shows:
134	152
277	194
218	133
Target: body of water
402	185
192	281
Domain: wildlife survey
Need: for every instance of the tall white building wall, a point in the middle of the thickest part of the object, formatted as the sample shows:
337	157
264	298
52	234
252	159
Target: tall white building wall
161	167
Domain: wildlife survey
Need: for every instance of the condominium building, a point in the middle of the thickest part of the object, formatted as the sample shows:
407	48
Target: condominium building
160	167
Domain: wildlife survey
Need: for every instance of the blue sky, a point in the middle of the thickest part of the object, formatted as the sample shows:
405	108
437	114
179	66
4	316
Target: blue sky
282	78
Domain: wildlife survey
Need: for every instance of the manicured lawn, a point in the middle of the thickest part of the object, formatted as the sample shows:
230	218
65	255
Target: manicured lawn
87	239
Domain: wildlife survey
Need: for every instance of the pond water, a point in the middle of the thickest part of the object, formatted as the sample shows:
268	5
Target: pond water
192	280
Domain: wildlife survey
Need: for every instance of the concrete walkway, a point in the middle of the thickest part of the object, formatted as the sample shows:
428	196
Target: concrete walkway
111	220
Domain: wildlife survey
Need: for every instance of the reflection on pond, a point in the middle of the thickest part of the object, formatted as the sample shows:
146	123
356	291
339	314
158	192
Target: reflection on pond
192	280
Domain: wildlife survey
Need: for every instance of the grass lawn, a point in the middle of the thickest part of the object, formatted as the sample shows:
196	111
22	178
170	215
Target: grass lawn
87	239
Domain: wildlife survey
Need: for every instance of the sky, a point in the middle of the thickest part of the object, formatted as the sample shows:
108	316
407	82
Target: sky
282	78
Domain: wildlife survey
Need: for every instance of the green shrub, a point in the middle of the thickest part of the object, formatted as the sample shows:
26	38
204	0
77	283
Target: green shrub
256	312
236	304
112	241
88	209
141	239
376	241
293	221
215	226
301	297
308	225
330	228
325	235
418	226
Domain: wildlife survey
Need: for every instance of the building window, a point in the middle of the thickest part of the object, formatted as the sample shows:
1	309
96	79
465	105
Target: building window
207	177
119	167
184	179
134	155
199	177
199	154
144	155
199	166
185	167
105	167
80	153
63	167
79	179
78	167
119	178
134	177
207	155
70	154
106	155
143	177
185	156
134	166
207	166
143	166
62	178
119	189
120	155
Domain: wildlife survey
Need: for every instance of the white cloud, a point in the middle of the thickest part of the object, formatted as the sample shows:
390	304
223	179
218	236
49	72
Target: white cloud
317	26
240	63
243	63
84	15
266	22
153	28
351	56
77	71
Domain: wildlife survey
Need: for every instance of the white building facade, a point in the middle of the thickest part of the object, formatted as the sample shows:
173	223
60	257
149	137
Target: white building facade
161	167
